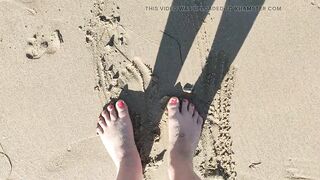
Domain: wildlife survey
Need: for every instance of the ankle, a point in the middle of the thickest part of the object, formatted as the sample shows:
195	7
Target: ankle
180	169
130	165
180	162
130	158
180	156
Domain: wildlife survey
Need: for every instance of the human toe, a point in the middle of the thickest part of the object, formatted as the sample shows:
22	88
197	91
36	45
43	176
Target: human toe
102	123
200	121
173	106
112	112
195	116
184	106
191	109
99	129
122	109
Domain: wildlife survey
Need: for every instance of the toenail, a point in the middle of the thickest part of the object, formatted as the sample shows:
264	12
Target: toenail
185	100
173	101
110	107
120	104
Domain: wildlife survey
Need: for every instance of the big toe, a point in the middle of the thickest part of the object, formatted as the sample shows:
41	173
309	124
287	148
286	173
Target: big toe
173	106
122	109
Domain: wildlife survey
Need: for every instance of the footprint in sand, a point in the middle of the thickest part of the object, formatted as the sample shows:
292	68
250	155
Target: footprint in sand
41	44
315	3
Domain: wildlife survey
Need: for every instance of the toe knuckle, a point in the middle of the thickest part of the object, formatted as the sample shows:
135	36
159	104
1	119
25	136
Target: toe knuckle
104	113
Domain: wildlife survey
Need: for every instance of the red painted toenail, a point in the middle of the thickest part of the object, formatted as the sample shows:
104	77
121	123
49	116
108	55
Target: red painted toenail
121	104
173	101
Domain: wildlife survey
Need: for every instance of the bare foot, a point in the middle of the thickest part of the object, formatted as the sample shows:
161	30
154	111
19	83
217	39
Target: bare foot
116	132
184	134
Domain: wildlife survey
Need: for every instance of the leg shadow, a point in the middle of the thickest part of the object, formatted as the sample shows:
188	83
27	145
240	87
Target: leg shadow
232	31
231	34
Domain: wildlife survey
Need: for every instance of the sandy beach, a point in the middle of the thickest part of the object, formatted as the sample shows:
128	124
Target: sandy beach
250	67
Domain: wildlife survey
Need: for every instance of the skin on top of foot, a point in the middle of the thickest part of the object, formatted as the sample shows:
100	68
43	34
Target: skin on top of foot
116	132
185	125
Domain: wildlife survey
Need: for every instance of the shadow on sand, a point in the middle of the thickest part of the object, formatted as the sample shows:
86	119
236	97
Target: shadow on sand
180	31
